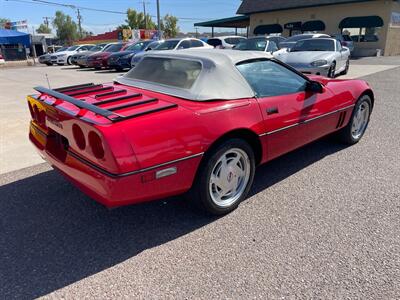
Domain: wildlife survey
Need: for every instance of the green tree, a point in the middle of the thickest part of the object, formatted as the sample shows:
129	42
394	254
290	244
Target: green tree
123	26
169	25
137	20
67	30
43	29
3	21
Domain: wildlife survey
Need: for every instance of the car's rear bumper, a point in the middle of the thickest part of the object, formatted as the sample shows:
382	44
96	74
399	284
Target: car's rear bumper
117	189
82	62
95	63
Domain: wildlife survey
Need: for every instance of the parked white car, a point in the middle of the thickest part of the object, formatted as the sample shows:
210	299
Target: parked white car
64	57
173	44
322	56
263	44
225	42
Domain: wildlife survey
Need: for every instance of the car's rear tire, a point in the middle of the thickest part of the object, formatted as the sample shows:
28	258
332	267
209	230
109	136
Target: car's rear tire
49	64
119	69
81	66
97	68
358	123
346	70
331	71
224	177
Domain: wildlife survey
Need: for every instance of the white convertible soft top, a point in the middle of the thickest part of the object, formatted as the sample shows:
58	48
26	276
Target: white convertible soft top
218	79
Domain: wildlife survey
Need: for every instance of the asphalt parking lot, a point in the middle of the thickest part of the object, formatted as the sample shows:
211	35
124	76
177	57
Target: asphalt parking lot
322	222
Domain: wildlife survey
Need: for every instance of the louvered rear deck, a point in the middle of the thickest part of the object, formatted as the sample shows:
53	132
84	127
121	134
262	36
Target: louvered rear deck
114	103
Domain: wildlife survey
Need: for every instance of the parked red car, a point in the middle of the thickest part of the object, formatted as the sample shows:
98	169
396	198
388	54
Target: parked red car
196	121
98	60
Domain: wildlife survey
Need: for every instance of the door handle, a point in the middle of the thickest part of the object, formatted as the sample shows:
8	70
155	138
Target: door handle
272	110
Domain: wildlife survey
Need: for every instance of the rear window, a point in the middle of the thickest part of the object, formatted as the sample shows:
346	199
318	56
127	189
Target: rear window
296	38
115	48
233	40
214	42
180	73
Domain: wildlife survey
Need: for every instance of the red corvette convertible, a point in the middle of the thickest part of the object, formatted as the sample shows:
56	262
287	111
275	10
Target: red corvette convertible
196	121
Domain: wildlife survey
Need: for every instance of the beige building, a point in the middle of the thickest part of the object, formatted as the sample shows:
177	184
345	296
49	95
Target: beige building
374	25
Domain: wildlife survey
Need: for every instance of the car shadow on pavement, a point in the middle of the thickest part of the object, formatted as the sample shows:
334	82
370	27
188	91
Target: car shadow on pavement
109	71
71	68
51	235
85	69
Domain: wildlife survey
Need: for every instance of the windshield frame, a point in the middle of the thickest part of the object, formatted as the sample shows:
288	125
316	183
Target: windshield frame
302	43
254	40
173	42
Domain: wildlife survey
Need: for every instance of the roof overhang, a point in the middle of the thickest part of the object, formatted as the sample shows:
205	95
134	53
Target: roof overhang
233	22
256	6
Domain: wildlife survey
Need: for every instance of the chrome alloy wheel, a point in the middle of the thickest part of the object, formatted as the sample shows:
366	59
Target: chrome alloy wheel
360	120
229	177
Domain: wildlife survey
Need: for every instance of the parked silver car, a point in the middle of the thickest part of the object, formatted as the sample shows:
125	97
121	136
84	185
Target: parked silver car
46	58
322	56
345	40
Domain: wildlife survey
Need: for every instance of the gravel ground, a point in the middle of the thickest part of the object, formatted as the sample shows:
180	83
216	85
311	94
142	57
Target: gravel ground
322	223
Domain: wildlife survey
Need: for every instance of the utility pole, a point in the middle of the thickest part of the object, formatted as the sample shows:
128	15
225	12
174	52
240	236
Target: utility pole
144	13
46	21
79	22
197	32
33	45
158	20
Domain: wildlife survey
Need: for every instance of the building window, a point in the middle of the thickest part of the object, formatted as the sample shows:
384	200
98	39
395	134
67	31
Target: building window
362	29
268	29
312	26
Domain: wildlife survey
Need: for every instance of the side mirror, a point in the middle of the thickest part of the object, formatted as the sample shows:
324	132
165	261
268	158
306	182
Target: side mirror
314	87
344	49
148	49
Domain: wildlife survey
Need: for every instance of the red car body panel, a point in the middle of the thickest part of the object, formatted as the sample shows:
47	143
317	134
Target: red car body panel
137	148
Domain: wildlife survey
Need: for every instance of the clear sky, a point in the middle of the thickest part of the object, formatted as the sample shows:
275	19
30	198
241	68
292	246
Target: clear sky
98	22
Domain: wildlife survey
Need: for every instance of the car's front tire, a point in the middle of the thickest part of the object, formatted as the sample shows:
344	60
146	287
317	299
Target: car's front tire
358	123
224	178
331	71
69	61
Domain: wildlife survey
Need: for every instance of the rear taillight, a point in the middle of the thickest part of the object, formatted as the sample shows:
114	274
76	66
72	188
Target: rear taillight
37	115
96	145
79	137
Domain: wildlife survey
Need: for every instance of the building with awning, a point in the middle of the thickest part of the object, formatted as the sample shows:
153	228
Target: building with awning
373	25
13	44
233	22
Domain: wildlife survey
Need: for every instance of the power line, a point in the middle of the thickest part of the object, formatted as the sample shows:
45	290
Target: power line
43	2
